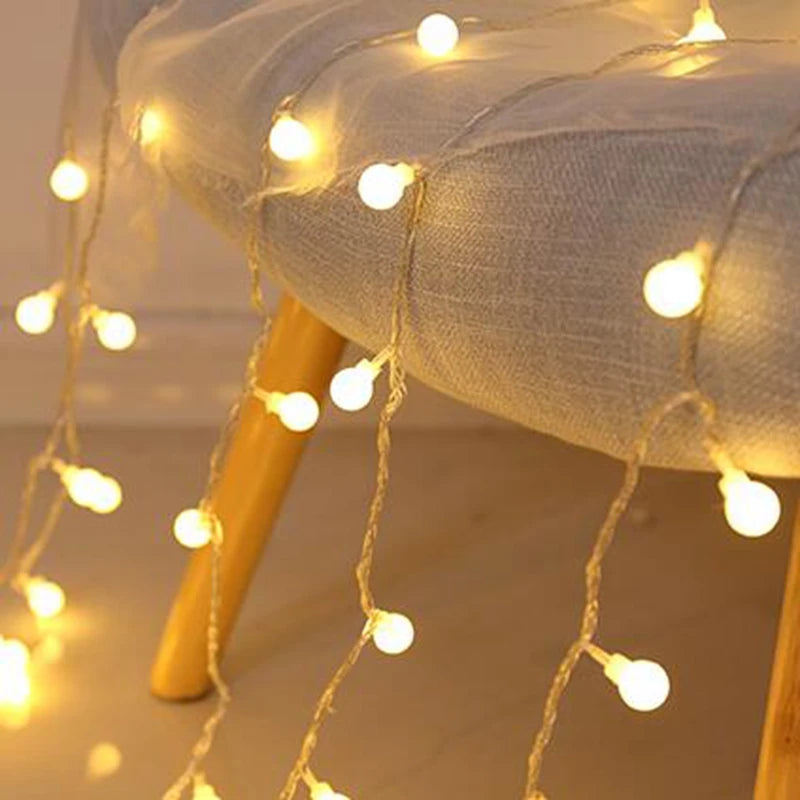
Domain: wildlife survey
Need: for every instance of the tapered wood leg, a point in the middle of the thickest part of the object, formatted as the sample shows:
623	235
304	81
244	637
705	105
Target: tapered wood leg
301	355
779	768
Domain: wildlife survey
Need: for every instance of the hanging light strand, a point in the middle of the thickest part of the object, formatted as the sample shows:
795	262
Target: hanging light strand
784	145
21	559
397	393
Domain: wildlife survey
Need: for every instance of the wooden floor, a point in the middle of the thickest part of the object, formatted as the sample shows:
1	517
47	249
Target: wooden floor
483	546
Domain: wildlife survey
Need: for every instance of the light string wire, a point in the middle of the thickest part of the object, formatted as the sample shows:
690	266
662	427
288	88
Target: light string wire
782	146
75	281
203	745
397	392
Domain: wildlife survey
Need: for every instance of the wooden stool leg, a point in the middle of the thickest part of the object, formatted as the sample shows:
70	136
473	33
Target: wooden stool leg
779	768
302	354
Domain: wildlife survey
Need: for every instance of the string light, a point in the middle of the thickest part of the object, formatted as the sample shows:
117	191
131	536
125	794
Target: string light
46	599
438	35
381	186
69	181
352	388
643	685
392	633
704	26
298	411
36	313
89	488
752	508
290	139
115	330
15	683
194	528
675	287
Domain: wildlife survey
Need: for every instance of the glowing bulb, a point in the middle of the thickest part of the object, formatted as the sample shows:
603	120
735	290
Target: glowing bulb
352	388
116	330
151	127
193	528
642	685
437	35
204	791
393	633
35	314
69	181
704	28
381	186
324	791
752	508
674	288
45	598
298	411
107	496
15	684
89	488
290	139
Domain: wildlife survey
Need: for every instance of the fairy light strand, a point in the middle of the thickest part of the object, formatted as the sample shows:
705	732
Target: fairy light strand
397	393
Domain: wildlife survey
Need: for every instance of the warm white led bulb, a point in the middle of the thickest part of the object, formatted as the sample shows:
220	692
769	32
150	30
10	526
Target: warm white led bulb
752	508
91	489
69	181
352	388
674	288
107	496
298	411
290	139
437	35
35	314
704	28
46	599
15	684
116	330
204	791
381	186
324	791
393	633
151	127
642	685
193	528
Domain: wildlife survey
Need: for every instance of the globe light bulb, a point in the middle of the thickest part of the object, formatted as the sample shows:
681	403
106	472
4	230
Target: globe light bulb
642	685
36	313
324	791
381	186
752	508
91	489
352	388
204	791
193	528
298	411
107	496
46	599
704	28
116	330
290	139
393	633
437	35
15	684
151	127
69	181
674	288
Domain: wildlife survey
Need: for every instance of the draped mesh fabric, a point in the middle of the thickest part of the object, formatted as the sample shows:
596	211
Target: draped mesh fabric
526	290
